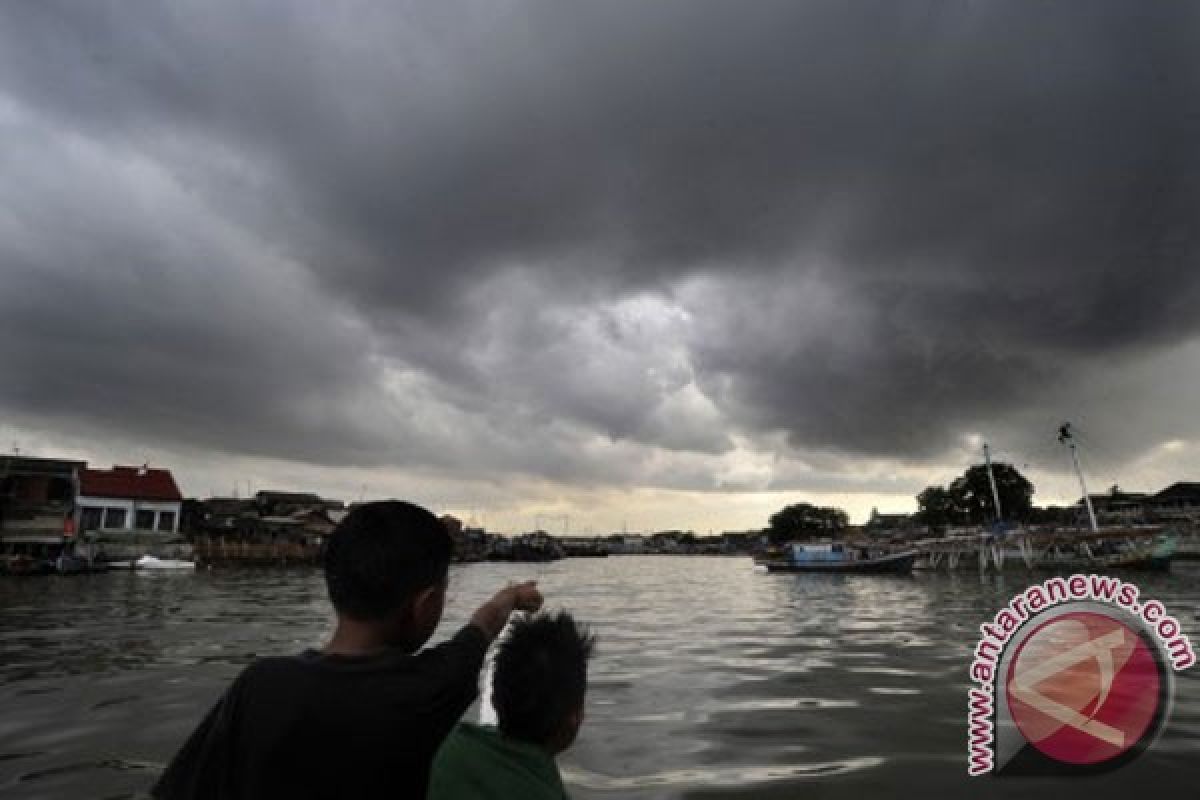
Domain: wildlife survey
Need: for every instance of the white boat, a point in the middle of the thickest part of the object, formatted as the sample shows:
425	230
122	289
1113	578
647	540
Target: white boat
150	562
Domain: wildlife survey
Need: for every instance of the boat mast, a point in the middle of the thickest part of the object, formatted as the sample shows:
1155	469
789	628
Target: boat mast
987	457
1067	438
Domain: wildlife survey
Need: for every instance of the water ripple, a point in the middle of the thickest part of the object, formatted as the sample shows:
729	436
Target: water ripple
708	677
741	777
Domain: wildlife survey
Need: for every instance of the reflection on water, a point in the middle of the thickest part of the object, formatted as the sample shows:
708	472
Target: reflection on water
710	680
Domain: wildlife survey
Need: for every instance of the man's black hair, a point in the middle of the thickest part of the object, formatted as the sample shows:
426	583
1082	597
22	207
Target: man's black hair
541	675
381	555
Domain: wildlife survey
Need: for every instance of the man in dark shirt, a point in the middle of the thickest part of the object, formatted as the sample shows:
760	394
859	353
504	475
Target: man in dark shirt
363	717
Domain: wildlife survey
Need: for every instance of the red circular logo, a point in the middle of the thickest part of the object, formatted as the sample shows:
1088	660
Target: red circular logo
1084	688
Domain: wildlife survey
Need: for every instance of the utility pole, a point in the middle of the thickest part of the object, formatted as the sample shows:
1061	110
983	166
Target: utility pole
1067	439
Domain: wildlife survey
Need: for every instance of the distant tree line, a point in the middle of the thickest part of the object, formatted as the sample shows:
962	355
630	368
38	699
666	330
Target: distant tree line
967	500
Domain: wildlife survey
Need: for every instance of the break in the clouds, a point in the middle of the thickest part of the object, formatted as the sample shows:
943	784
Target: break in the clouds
682	245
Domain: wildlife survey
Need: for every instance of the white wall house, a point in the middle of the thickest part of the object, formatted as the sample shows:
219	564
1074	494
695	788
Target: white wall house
128	499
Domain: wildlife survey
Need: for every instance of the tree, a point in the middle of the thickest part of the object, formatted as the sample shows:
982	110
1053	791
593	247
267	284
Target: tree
968	499
804	519
973	493
938	507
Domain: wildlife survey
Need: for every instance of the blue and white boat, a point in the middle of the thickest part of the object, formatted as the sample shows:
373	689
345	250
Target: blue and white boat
837	557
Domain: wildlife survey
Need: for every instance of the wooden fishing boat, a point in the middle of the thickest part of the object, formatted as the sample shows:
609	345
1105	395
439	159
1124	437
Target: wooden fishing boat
1107	550
837	558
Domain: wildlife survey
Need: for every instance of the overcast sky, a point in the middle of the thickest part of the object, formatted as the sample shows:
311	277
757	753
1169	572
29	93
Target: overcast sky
653	263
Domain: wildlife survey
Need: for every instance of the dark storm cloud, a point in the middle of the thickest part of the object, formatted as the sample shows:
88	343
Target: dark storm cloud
875	226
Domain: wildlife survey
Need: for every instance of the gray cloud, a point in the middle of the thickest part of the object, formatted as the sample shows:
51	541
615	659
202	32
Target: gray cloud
598	242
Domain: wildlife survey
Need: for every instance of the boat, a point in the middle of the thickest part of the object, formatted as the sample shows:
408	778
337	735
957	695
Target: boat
52	555
1111	551
1145	547
152	563
837	557
22	564
1060	549
69	563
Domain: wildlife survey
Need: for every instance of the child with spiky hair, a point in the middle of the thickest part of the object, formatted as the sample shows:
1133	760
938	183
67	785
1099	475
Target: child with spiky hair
538	690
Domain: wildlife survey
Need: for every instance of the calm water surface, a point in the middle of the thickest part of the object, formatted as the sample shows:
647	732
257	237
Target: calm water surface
710	680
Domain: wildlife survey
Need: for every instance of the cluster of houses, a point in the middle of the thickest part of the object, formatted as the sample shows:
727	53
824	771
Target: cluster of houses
1179	502
123	512
266	518
46	503
475	544
685	543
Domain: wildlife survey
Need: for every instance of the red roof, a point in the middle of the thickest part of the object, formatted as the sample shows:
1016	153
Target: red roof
133	483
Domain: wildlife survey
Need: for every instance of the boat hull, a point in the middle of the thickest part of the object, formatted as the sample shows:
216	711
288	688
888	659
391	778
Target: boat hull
1146	548
899	563
152	563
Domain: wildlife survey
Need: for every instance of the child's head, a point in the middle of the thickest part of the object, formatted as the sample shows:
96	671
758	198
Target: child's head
386	565
541	678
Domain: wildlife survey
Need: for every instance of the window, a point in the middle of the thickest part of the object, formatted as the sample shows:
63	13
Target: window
90	518
144	521
114	518
166	521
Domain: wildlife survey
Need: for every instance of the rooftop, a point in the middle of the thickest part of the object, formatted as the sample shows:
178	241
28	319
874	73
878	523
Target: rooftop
34	465
135	483
1182	489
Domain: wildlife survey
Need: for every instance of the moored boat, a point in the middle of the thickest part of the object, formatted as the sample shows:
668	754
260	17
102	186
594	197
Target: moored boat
21	564
837	558
1112	552
152	563
1060	550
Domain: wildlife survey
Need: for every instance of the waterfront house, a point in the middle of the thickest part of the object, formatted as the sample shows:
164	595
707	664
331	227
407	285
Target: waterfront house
1116	507
37	501
124	513
1179	501
271	528
224	518
888	524
128	499
281	504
